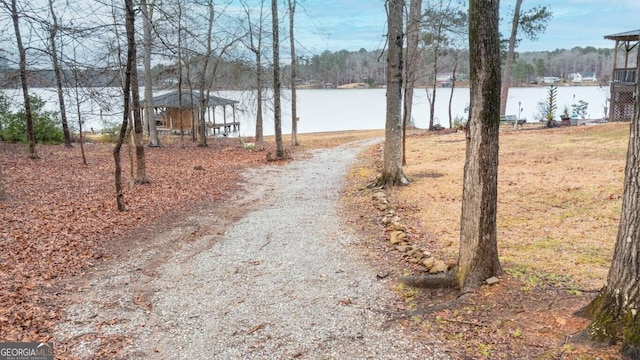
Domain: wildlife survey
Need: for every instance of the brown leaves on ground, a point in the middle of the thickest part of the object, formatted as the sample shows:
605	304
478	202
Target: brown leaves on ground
60	216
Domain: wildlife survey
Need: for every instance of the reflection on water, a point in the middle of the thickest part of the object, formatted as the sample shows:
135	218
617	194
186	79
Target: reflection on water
336	109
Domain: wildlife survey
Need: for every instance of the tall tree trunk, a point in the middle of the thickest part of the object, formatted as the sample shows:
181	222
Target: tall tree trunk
392	173
180	62
412	59
294	112
77	93
130	145
190	85
141	168
24	82
615	311
277	111
147	15
129	21
56	70
202	125
453	87
187	64
3	194
80	135
478	241
259	119
434	86
204	90
506	80
257	51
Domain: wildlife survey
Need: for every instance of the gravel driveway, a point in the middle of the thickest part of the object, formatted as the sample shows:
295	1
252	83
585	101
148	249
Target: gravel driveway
273	274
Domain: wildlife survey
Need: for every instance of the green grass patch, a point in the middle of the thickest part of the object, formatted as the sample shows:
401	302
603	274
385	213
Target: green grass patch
533	278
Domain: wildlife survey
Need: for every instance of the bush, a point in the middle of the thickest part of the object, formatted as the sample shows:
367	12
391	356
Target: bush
459	122
13	126
541	110
580	109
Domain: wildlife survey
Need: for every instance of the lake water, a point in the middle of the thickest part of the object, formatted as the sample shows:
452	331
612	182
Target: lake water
340	109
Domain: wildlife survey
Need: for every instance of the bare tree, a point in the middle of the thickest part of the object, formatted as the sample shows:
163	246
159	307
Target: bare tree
411	60
392	173
171	35
141	167
453	87
615	310
204	89
185	44
76	80
506	81
53	31
210	62
3	194
3	109
456	52
532	22
294	65
255	34
132	100
15	16
130	29
147	25
277	111
478	259
478	239
180	53
442	20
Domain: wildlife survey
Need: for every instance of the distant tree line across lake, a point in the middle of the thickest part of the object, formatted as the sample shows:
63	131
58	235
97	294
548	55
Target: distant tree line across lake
343	67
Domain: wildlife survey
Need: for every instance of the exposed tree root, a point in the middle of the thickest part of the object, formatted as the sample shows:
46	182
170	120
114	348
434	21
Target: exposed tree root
398	315
286	155
583	312
143	181
385	182
445	280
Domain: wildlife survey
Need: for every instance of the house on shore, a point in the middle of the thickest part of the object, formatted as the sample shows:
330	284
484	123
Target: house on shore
576	78
549	80
589	76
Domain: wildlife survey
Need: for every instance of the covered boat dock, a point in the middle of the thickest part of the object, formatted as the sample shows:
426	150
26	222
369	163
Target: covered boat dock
180	112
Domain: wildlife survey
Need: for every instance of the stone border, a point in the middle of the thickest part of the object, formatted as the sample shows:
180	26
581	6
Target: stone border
396	233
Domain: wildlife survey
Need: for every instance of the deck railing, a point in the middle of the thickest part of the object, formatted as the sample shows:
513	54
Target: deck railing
624	76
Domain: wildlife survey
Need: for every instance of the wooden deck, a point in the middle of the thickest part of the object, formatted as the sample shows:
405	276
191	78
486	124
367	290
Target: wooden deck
226	127
169	131
211	129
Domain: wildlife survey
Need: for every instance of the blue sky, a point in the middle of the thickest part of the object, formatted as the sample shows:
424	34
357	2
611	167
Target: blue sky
354	24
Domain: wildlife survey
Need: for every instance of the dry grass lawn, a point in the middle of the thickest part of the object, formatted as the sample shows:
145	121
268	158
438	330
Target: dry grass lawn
558	211
328	139
558	203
